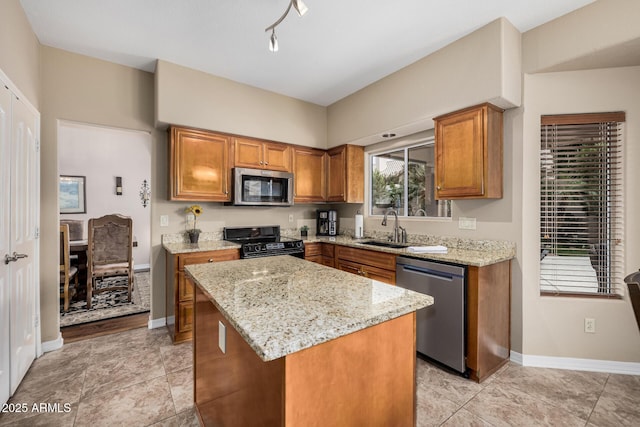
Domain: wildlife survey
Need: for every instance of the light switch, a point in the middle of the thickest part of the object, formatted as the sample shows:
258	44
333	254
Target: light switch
164	220
467	223
222	337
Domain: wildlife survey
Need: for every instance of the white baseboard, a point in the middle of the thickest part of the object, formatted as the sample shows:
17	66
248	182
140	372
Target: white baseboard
56	344
157	323
141	267
171	320
575	364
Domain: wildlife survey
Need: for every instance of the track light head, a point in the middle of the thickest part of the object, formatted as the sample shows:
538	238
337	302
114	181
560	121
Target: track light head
273	41
300	7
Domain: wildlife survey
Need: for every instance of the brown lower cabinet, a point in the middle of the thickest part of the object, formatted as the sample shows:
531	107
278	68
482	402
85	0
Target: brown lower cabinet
368	263
179	292
351	379
488	318
321	253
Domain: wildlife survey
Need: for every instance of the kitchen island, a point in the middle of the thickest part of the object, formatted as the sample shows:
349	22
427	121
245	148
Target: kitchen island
286	342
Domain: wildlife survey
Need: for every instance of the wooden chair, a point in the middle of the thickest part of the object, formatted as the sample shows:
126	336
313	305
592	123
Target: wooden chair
67	272
109	253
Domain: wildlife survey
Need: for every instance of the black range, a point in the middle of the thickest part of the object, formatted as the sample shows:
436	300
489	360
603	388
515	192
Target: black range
263	241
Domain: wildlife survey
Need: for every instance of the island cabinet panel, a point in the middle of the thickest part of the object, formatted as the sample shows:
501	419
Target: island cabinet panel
468	145
259	154
321	253
345	174
309	175
351	380
235	388
198	165
488	318
368	263
179	293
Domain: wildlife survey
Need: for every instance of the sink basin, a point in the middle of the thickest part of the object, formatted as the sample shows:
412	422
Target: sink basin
385	244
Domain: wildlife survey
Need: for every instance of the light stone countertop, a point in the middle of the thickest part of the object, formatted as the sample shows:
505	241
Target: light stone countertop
283	304
477	253
202	246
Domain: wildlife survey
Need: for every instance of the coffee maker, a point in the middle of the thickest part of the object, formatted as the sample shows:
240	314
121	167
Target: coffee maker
327	223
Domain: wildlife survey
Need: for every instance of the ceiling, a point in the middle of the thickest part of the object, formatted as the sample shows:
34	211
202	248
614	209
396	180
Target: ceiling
335	49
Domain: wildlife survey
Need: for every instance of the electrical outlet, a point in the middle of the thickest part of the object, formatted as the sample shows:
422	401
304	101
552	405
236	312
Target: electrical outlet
164	220
466	223
290	217
589	325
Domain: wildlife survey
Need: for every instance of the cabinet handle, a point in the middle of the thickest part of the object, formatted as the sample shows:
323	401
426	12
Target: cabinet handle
438	187
210	260
266	163
261	163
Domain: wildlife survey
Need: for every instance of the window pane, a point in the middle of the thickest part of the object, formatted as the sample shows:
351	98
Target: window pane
387	182
421	180
388	187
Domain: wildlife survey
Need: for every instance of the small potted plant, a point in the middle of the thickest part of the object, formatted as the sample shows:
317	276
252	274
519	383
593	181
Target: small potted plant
194	233
303	231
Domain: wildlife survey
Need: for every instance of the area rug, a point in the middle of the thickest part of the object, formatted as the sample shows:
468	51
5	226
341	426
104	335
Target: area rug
111	303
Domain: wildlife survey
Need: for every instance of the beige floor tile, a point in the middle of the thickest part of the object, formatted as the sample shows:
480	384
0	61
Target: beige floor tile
431	408
141	404
188	418
618	404
57	417
574	391
177	357
181	384
464	418
122	371
505	405
444	384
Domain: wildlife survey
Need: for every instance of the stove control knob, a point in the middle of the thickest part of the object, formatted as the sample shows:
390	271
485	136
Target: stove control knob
299	244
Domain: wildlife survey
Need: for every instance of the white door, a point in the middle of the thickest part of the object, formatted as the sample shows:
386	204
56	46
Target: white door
5	198
19	206
24	215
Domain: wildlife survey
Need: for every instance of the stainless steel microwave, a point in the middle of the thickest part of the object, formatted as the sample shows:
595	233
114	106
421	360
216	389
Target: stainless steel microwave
257	187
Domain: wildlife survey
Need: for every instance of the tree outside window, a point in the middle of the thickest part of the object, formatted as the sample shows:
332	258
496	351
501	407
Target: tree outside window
404	180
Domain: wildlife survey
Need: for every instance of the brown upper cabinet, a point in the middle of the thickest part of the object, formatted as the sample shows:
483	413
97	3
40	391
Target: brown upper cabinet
253	153
345	174
199	165
310	172
469	153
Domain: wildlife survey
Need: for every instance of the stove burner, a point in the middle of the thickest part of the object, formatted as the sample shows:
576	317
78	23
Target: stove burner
263	241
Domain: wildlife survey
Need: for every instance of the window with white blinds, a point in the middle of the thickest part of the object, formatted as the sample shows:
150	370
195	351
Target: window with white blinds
581	204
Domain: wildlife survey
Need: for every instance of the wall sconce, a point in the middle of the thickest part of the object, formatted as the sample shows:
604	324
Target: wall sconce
118	186
145	193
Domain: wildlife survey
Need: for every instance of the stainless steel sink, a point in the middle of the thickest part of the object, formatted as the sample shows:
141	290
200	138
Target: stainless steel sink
385	244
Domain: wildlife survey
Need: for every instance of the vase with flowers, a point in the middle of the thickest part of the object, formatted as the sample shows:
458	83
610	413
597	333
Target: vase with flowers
194	232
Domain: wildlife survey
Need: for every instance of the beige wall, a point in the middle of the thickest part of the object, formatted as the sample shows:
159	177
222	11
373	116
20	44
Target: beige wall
555	326
82	89
19	55
602	34
483	66
193	98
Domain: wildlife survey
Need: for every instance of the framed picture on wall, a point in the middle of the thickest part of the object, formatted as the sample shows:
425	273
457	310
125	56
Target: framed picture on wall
72	194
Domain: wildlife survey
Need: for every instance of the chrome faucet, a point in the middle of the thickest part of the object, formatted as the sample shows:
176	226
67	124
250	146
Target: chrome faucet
399	233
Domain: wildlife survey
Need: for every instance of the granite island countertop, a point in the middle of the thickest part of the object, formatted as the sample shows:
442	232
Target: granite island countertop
283	304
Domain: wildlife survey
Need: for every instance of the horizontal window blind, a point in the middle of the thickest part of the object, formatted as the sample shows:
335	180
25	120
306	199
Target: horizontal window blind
581	204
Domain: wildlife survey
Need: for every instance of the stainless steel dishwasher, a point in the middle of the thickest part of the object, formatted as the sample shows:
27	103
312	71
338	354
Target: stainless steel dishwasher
440	328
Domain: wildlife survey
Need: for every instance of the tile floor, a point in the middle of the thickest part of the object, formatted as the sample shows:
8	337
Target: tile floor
138	378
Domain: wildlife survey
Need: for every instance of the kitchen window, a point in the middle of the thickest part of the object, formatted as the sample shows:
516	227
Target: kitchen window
403	179
581	204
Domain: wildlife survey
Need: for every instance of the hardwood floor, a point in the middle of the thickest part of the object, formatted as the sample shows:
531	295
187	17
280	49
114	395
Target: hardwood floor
104	327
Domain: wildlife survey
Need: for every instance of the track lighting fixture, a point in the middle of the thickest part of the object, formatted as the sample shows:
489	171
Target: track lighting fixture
300	7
